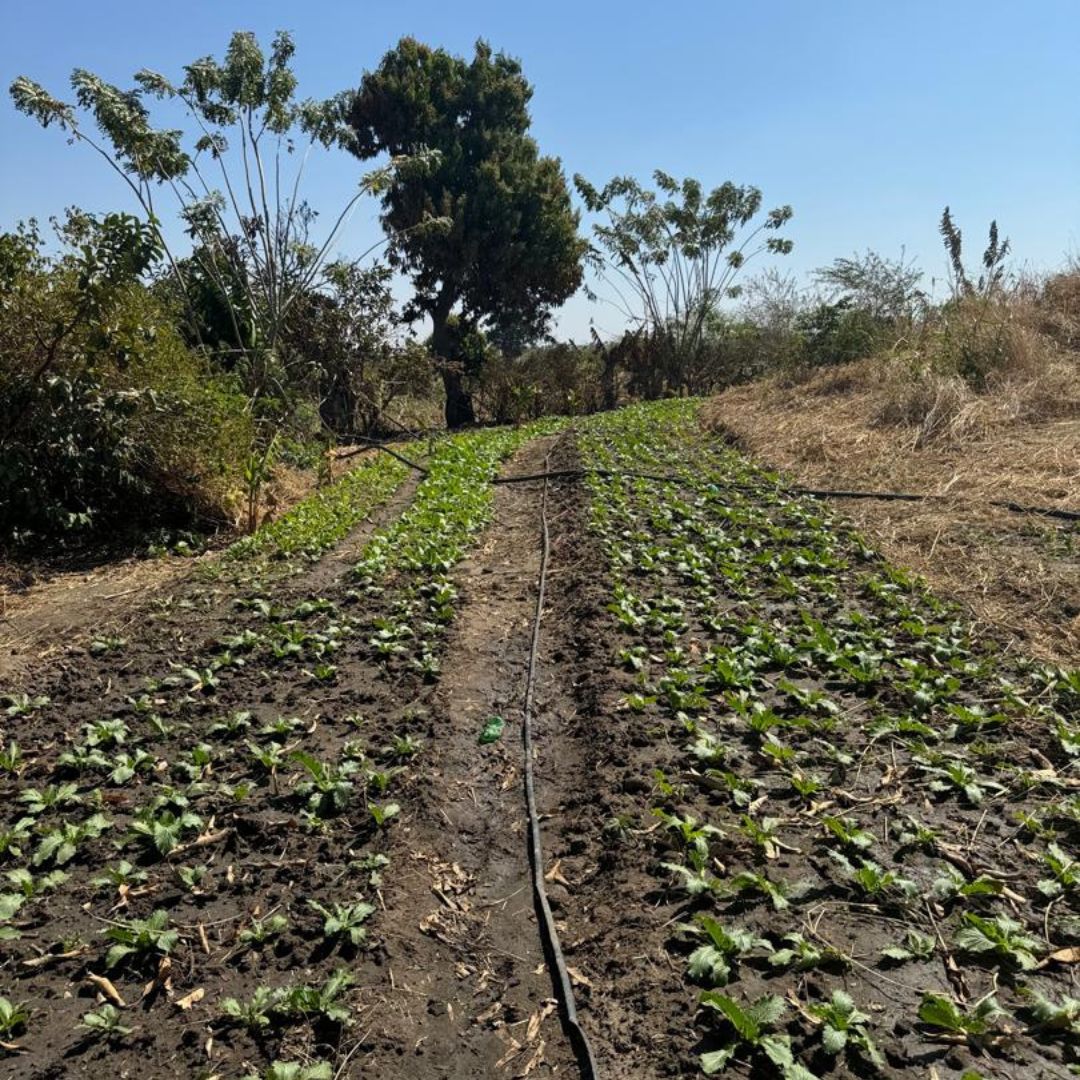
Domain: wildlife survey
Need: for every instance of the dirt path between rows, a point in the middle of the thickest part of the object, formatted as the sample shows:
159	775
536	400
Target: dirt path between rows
475	994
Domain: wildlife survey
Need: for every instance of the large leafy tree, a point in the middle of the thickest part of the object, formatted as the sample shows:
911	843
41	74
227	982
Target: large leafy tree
508	249
234	176
672	255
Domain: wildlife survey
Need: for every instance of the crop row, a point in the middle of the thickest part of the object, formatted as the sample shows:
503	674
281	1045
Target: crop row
867	814
146	853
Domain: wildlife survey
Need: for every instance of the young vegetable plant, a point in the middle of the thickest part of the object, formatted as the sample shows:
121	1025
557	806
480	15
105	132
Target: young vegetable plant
713	961
752	1024
976	1024
345	920
253	1014
294	1070
801	954
1002	936
141	937
13	1018
105	1023
163	830
261	931
844	1028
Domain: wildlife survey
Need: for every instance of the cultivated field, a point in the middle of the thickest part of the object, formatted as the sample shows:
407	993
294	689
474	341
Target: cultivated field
797	818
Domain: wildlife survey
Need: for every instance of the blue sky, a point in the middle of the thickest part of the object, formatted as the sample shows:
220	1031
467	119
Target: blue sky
866	117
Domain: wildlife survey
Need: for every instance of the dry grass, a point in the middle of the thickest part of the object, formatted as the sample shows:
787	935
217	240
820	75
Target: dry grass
885	425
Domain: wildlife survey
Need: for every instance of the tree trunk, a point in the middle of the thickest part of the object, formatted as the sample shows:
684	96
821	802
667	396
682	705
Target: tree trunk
459	406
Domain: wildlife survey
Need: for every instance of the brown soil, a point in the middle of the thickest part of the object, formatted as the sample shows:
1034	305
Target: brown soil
475	996
1018	575
48	606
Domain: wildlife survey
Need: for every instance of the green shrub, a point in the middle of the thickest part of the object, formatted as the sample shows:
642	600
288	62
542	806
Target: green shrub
111	421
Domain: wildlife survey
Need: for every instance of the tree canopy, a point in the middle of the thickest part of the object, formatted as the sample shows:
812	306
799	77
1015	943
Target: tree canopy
505	249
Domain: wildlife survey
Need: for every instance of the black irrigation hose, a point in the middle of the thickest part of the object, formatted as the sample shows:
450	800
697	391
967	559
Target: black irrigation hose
553	950
817	493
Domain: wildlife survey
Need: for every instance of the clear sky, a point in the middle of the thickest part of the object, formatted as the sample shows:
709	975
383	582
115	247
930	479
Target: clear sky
867	117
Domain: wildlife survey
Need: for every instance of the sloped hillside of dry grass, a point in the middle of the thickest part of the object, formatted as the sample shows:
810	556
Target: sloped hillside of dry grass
885	425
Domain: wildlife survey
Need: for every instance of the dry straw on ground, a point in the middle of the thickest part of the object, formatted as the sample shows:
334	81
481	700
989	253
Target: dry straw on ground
879	425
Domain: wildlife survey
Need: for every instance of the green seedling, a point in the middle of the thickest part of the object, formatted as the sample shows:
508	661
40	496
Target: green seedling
122	874
141	937
751	1025
163	830
848	832
952	885
327	789
345	920
750	881
50	798
1065	872
23	704
713	961
105	645
321	1001
59	845
871	880
801	954
974	1024
13	1018
1057	1017
105	1023
294	1070
382	815
191	877
260	931
844	1028
31	886
11	758
126	765
253	1014
1002	936
916	946
694	834
106	734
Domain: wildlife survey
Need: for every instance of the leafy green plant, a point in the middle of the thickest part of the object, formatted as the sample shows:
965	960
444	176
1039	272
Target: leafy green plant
255	1013
328	789
1000	935
801	954
382	815
345	920
916	946
13	1017
294	1070
123	873
163	830
844	1028
713	961
978	1021
59	845
50	798
1064	871
320	1001
141	937
105	1023
260	931
751	1024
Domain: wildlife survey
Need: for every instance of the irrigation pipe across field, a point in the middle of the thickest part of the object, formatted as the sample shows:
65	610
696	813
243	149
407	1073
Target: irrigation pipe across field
816	493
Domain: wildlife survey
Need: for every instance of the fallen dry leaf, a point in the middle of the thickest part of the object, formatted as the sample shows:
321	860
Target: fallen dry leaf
107	989
537	1019
534	1062
1070	955
188	1000
578	978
